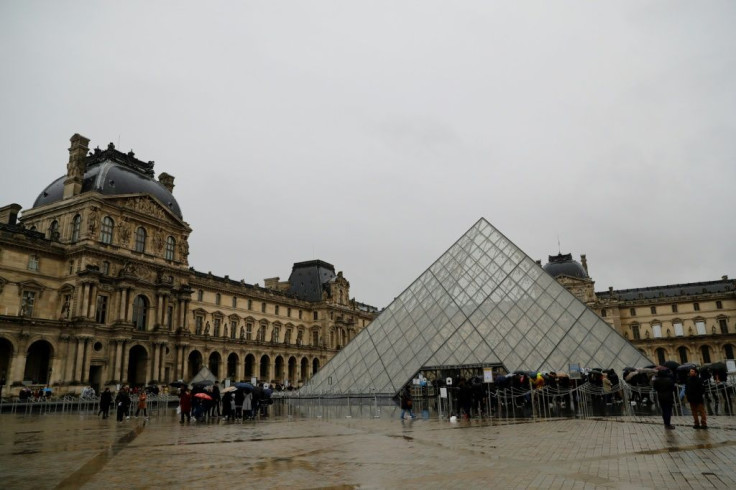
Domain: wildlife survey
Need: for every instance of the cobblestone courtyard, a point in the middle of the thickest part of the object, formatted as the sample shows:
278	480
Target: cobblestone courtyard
73	451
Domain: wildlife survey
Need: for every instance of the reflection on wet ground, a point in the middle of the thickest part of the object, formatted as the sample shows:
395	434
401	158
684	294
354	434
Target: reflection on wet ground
73	451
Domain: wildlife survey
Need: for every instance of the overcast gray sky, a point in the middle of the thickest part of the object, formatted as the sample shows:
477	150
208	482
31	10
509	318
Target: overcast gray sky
372	135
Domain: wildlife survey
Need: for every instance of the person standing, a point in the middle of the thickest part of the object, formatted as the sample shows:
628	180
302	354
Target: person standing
695	392
142	404
406	402
664	385
185	405
216	397
105	402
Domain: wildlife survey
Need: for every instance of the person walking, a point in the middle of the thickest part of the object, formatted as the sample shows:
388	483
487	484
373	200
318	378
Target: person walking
664	385
105	402
122	401
695	392
142	404
406	402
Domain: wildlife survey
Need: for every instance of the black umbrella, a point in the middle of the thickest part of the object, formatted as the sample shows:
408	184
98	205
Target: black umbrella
672	365
247	387
178	384
687	367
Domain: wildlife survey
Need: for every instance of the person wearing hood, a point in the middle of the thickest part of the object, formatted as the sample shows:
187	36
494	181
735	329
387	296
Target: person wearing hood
664	385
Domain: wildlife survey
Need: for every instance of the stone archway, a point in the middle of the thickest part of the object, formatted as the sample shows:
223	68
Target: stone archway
38	362
279	370
232	366
315	366
264	372
214	364
137	365
292	371
304	371
6	356
250	367
194	363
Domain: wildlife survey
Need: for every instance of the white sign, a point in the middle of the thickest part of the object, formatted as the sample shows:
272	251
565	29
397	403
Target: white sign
448	381
254	381
443	392
731	365
488	375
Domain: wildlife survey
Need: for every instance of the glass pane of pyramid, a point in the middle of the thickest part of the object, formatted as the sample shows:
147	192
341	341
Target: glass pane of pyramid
484	301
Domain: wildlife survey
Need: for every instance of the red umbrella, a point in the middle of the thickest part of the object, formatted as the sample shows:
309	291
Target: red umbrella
204	396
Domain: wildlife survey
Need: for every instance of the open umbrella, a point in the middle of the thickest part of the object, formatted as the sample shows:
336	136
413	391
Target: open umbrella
203	396
247	387
178	384
672	365
229	389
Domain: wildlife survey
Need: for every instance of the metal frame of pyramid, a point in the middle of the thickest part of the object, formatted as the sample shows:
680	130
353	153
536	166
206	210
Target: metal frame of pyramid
483	302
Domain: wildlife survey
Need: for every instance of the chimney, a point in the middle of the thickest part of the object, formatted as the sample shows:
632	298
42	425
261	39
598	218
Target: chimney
9	214
77	166
167	181
584	261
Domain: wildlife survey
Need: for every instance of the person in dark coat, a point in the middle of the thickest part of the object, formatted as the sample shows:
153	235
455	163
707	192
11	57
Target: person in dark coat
216	397
664	385
105	402
695	392
406	403
122	401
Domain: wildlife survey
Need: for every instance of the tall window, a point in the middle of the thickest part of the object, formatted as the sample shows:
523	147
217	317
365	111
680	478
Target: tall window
315	315
275	334
696	306
656	331
105	267
262	334
200	295
700	327
653	310
682	351
287	336
198	324
33	262
140	312
719	305
169	317
217	298
635	334
106	230
235	301
76	228
674	308
233	328
216	331
248	331
101	310
603	312
723	324
263	307
632	311
705	353
140	239
26	305
54	230
679	332
661	356
300	337
728	350
250	304
276	310
170	244
315	338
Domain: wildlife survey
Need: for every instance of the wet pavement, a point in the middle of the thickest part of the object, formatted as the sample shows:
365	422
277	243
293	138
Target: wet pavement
73	451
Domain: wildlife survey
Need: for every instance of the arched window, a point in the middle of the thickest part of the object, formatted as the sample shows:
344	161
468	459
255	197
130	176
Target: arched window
170	244
140	312
682	351
76	228
106	230
140	240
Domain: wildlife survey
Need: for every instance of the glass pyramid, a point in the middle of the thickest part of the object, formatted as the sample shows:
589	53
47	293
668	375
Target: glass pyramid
483	302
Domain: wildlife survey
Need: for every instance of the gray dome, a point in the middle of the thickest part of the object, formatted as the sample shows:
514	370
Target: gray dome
111	172
564	265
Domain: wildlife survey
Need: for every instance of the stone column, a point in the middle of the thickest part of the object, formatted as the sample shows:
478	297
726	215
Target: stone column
110	371
156	347
185	316
78	364
124	369
87	359
18	367
68	360
78	300
118	373
126	305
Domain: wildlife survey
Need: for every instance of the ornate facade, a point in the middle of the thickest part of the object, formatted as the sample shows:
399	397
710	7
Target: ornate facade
694	322
96	289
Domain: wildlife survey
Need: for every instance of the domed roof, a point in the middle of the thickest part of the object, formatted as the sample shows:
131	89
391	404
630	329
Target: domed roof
563	265
111	172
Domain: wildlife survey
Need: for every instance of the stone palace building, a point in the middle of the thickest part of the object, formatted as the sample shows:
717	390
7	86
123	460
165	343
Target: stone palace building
692	322
96	289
